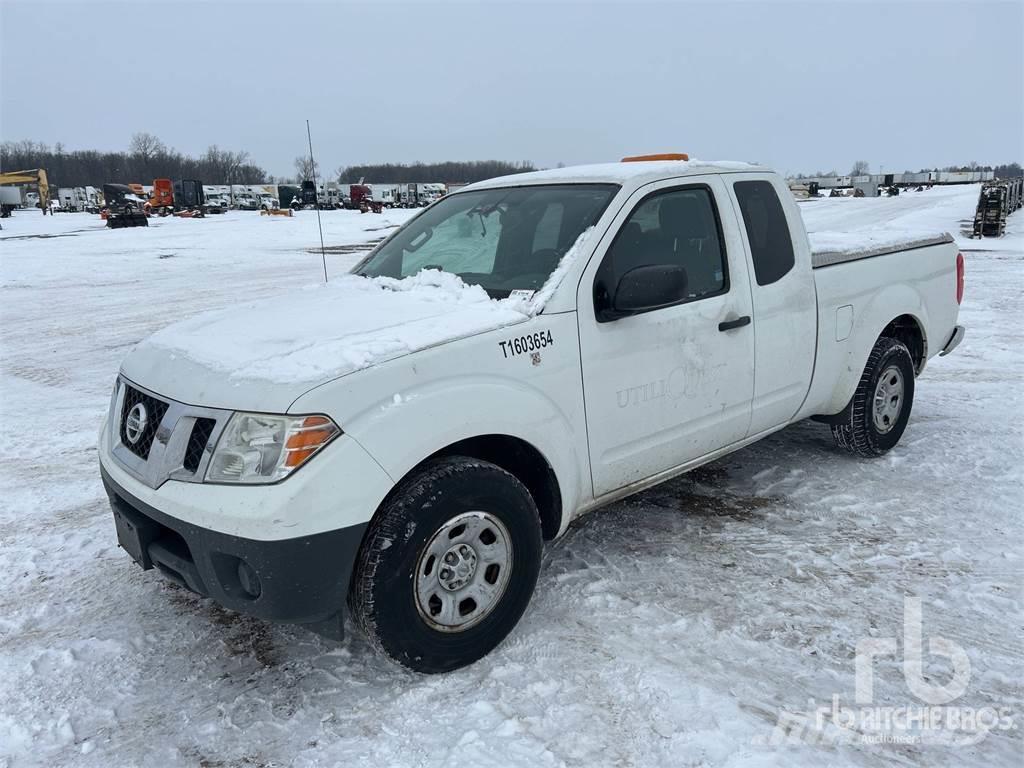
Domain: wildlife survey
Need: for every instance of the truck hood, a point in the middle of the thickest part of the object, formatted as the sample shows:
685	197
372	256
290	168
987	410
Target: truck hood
263	355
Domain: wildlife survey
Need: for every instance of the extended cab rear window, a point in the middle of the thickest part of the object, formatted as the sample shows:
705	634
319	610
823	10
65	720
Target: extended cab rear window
771	246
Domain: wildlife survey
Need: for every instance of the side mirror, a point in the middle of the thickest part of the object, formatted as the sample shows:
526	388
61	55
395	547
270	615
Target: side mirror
649	287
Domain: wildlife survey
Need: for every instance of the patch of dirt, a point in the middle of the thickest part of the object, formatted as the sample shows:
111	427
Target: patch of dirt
47	376
42	237
245	636
352	248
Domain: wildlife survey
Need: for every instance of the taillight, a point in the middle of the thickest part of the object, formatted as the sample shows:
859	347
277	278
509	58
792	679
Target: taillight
959	278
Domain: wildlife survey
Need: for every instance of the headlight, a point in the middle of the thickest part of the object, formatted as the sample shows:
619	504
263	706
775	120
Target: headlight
261	448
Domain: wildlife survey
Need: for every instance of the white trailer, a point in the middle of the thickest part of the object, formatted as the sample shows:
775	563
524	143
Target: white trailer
72	199
963	177
10	198
389	194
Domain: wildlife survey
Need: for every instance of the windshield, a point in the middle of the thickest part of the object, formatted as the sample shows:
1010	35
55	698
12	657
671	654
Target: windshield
502	239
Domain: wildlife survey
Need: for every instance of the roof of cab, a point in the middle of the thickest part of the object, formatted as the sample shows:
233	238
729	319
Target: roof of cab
618	173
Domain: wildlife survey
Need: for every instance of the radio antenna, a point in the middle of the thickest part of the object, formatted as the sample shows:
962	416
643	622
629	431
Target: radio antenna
320	226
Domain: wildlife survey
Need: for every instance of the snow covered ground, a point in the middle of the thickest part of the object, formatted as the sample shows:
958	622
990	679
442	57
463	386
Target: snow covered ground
670	629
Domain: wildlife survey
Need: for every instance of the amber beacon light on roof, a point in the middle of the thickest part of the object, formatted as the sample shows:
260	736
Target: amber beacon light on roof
663	156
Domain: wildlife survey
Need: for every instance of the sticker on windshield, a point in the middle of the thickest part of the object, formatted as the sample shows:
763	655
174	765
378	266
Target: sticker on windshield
521	293
522	345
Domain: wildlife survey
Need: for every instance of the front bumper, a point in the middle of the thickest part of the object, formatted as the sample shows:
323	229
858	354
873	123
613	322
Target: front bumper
301	580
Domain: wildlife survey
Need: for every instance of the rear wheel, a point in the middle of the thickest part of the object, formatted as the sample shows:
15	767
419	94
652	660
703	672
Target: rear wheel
448	565
878	413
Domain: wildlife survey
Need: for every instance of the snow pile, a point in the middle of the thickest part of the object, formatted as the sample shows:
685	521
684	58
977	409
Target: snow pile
329	330
351	323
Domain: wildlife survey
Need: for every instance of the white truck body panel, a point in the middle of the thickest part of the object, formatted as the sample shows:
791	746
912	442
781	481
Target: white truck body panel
611	406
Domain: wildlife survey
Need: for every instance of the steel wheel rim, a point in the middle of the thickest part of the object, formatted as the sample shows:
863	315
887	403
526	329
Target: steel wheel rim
888	400
463	571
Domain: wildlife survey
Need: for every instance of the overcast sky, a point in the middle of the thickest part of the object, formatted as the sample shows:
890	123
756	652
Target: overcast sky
798	86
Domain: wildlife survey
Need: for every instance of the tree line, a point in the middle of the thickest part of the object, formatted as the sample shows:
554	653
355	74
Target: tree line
450	171
147	158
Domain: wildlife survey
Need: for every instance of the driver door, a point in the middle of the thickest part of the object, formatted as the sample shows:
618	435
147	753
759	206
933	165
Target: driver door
668	385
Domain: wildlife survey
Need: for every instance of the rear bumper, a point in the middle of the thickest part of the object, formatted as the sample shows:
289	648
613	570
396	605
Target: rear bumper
301	580
954	341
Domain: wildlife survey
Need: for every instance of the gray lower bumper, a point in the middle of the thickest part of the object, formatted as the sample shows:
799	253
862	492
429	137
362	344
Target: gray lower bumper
954	341
300	581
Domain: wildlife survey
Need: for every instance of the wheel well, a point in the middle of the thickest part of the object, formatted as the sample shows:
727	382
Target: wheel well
908	330
521	459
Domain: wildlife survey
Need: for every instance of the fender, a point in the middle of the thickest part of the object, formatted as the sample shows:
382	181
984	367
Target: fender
848	358
401	431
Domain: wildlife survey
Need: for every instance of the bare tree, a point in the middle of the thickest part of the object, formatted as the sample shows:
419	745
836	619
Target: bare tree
860	168
305	168
146	146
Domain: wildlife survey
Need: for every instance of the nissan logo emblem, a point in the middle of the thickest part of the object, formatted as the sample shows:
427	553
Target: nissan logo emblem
135	424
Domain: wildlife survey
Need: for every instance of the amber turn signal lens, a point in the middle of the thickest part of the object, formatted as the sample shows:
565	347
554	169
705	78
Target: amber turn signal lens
305	440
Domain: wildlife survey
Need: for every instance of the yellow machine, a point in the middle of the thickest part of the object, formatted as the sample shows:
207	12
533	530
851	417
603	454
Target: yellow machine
35	176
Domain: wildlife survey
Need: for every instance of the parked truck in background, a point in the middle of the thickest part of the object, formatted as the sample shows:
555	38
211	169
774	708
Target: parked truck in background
428	193
188	196
527	350
307	196
161	199
287	193
361	198
10	200
329	196
71	199
123	207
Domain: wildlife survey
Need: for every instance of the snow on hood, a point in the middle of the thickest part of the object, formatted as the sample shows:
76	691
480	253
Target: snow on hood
305	338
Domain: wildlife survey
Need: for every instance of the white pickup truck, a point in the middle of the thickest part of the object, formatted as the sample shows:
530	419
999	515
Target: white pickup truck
401	440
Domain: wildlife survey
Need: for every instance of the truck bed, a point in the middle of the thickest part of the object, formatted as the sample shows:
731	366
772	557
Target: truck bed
829	248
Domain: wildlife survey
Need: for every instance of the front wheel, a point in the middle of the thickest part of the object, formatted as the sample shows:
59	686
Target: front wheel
448	566
878	413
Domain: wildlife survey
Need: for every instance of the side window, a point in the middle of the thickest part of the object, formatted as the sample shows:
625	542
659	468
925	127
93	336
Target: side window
675	227
771	246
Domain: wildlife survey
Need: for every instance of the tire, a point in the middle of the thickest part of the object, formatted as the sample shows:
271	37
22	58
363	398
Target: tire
403	556
878	413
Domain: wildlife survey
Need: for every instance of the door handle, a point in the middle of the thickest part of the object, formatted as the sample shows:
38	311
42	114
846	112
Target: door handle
730	325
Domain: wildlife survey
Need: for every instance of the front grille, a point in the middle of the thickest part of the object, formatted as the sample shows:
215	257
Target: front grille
201	432
155	410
